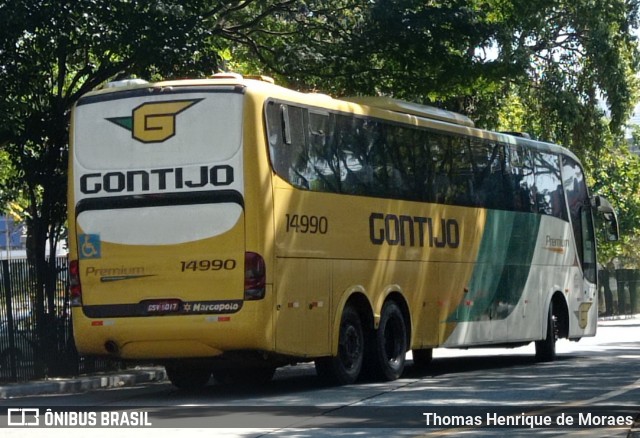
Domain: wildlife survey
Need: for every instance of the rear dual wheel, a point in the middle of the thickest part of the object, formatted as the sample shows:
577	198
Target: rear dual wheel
345	368
390	343
386	348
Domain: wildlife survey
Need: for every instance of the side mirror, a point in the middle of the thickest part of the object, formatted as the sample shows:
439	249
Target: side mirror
611	227
606	211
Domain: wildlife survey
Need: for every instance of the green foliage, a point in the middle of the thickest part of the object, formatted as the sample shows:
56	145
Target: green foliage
615	174
7	179
560	58
409	49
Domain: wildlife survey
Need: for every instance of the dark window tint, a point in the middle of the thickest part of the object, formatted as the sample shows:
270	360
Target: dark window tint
521	179
580	212
342	153
550	194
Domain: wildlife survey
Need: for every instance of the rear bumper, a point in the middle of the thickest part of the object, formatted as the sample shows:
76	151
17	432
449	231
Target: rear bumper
175	336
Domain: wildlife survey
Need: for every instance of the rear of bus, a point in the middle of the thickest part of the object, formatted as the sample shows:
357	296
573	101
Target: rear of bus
160	266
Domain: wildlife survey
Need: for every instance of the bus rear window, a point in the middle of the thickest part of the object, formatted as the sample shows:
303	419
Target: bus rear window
157	131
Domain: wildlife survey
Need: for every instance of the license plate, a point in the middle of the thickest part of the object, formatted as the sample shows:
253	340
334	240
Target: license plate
162	306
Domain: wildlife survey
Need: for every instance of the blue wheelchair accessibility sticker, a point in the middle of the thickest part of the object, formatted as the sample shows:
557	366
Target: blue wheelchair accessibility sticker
89	246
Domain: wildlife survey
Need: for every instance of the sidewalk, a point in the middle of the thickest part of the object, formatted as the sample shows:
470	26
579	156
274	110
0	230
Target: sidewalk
115	379
619	319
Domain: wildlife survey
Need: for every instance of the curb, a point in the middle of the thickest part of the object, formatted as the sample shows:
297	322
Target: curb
618	319
85	383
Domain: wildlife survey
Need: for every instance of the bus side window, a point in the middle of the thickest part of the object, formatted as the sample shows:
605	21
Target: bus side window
287	143
457	166
589	263
520	177
579	211
438	178
348	146
286	124
275	131
324	168
488	179
549	185
274	123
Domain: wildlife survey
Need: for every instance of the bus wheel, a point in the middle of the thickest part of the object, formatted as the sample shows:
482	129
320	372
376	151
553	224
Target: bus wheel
390	346
422	358
244	375
546	348
345	368
188	376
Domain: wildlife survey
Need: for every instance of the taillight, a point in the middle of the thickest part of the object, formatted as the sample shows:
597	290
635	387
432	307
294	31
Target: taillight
255	276
75	289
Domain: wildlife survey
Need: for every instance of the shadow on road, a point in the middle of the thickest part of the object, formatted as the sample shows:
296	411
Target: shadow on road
302	377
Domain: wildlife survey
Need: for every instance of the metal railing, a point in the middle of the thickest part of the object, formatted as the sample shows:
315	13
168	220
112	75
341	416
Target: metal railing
619	292
36	346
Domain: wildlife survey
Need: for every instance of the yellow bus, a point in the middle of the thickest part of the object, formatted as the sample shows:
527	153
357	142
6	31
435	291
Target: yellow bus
229	226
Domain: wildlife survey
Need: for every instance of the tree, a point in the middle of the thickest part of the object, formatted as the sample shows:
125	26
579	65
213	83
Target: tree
52	52
561	58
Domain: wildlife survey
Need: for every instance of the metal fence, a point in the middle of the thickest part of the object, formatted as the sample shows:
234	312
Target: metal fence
619	292
32	346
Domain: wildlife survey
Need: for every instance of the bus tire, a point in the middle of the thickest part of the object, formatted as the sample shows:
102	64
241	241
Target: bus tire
344	369
422	358
244	375
188	376
546	348
390	343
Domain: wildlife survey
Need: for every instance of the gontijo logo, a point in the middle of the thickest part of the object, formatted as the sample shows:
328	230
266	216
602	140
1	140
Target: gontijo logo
154	122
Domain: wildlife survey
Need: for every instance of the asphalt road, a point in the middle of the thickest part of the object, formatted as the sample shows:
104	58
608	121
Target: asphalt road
595	383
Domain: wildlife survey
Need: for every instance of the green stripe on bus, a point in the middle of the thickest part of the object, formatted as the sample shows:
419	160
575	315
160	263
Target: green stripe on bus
502	268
